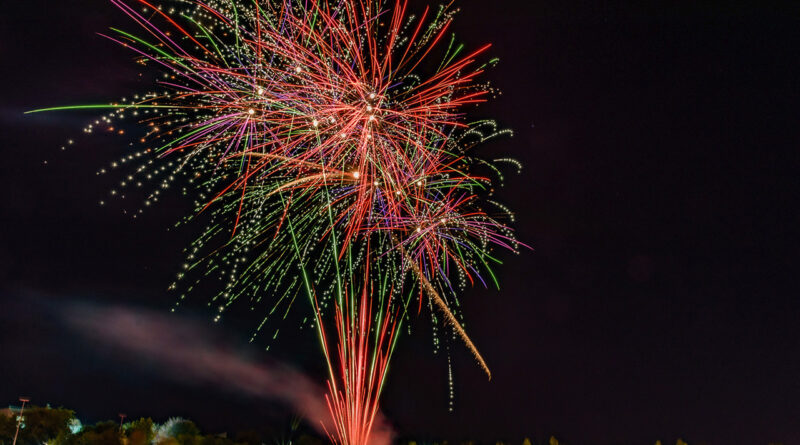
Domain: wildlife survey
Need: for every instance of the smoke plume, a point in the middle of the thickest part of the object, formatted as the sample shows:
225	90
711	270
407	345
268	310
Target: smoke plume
185	351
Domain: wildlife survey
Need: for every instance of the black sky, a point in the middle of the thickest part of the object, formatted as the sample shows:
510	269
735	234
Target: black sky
660	194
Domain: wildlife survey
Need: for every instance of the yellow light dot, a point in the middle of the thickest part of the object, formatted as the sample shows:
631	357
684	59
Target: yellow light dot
356	174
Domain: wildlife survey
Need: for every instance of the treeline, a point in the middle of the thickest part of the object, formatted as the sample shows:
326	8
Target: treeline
526	441
60	426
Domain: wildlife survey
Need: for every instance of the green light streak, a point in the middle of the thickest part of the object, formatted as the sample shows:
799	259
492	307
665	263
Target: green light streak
101	107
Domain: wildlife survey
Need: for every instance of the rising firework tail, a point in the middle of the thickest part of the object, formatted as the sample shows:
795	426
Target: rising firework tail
327	146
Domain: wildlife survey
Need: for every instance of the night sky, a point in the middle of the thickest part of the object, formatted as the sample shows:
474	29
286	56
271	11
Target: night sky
660	196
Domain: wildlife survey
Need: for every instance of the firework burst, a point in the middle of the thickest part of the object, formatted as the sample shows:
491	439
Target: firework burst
327	141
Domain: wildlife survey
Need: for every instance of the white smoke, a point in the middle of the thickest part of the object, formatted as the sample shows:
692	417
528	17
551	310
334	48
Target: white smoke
184	351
